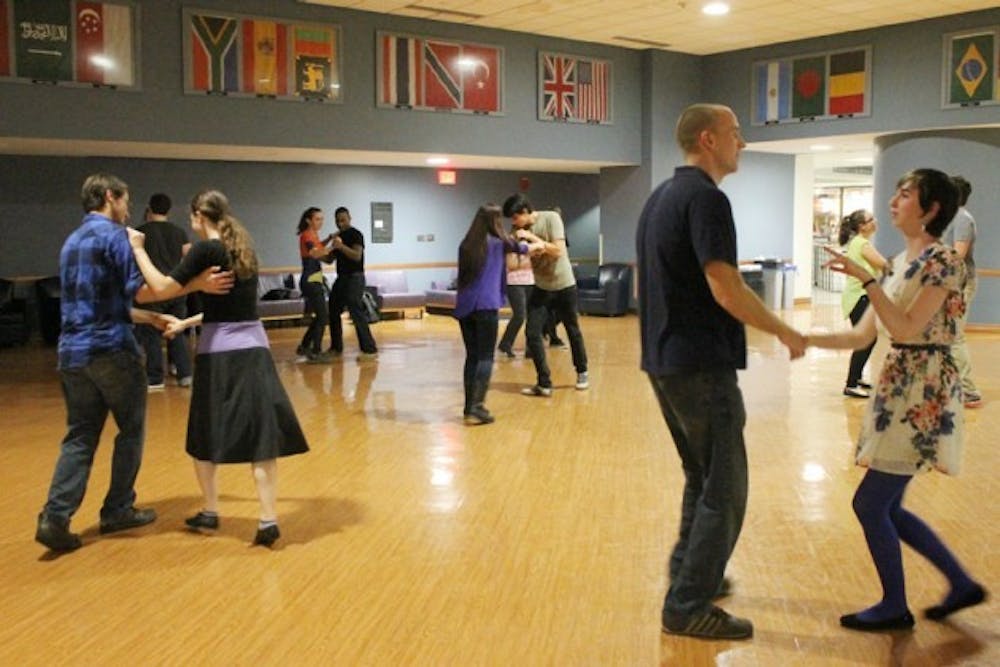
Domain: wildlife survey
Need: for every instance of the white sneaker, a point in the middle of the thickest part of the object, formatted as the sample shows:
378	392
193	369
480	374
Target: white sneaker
537	390
582	381
156	387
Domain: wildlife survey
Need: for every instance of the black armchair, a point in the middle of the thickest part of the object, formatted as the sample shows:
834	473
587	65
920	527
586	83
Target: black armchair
607	293
13	316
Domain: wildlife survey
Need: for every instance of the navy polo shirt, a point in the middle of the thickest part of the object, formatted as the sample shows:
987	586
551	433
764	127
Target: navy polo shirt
686	223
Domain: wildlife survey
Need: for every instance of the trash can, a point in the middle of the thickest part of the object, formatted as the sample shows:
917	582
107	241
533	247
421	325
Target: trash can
49	294
771	270
753	276
788	272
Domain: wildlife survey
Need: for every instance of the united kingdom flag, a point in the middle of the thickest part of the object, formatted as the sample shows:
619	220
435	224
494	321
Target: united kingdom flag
559	87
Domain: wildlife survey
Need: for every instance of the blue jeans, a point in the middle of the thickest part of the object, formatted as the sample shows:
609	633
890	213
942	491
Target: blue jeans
113	382
563	303
704	412
346	293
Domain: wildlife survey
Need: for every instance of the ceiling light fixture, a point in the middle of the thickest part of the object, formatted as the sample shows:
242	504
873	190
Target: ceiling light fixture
821	147
715	9
437	160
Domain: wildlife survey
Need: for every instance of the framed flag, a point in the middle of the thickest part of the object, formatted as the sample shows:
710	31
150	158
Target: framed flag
430	74
823	86
252	56
574	89
970	76
69	42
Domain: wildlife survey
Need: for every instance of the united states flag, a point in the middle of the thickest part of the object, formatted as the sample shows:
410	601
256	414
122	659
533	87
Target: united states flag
592	90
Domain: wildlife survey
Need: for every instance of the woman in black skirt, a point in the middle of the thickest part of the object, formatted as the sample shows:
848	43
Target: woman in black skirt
240	412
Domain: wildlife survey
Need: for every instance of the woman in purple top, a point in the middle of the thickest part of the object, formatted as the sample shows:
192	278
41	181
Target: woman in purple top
481	285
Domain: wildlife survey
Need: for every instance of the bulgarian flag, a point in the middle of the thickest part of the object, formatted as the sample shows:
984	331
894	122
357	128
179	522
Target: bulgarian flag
103	43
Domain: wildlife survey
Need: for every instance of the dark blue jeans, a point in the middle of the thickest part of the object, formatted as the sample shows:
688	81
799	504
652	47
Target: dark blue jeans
479	333
151	340
517	295
346	293
859	357
704	412
113	382
563	302
315	297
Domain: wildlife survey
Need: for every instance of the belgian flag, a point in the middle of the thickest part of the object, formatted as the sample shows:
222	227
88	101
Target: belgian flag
848	76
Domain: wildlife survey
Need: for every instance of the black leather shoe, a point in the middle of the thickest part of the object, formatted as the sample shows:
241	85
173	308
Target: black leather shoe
477	415
904	622
130	518
973	597
54	533
202	520
267	536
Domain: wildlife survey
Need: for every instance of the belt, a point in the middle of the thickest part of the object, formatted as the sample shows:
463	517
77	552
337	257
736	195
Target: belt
925	347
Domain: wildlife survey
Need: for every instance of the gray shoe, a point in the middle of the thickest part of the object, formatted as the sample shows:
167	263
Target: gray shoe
713	623
184	381
582	381
537	390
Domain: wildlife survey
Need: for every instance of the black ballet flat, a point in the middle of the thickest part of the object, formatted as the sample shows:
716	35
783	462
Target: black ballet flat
202	520
904	622
267	536
940	611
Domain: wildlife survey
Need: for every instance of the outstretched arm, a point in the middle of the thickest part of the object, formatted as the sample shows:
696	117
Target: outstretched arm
733	294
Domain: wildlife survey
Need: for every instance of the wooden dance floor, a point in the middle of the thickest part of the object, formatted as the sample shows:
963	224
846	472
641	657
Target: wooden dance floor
410	539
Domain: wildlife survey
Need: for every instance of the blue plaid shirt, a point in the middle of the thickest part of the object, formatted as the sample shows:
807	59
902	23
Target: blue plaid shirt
99	280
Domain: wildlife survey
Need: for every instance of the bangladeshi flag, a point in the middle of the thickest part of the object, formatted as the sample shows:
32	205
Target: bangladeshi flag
808	86
43	40
265	58
315	74
104	43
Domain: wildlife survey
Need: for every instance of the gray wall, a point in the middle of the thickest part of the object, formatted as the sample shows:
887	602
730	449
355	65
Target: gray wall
38	212
972	153
160	111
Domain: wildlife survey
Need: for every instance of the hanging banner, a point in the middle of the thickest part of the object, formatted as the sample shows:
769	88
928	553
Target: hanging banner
970	68
574	89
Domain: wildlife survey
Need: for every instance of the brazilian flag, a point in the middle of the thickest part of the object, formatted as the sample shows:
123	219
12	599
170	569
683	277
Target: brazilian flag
971	69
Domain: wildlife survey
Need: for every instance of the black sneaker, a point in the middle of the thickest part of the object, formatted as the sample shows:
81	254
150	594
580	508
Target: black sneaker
478	415
130	518
507	352
714	623
54	533
557	343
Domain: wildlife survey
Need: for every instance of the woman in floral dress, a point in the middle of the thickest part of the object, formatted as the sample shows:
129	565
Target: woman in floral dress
914	420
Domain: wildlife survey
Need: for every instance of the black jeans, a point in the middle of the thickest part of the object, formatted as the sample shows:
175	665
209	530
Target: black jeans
151	340
479	333
705	414
315	297
346	293
518	297
859	357
563	302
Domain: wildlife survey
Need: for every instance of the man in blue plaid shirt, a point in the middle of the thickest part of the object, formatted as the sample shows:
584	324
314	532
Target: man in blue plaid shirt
100	364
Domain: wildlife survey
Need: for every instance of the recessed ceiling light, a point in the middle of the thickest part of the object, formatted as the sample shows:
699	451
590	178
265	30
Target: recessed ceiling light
437	160
715	9
821	147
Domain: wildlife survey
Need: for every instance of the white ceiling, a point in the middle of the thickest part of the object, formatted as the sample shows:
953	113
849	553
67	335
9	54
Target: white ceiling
671	24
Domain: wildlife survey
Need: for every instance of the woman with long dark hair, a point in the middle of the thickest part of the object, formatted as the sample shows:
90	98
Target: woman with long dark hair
914	422
481	284
239	412
856	231
312	285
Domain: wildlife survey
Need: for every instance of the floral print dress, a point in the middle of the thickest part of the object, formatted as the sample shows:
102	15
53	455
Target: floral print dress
914	420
